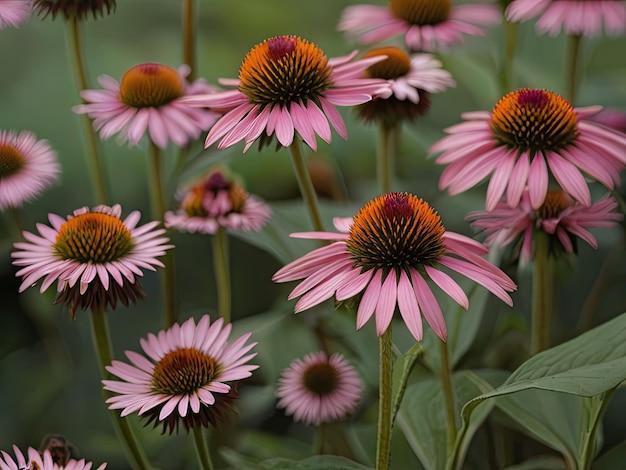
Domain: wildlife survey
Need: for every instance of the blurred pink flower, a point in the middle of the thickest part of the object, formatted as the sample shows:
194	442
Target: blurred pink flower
429	25
530	136
612	118
14	12
188	376
319	389
387	252
576	17
148	99
35	461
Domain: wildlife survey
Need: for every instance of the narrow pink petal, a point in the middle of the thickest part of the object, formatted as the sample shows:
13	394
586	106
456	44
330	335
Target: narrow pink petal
430	307
369	300
518	179
537	181
334	117
409	309
449	286
570	178
386	303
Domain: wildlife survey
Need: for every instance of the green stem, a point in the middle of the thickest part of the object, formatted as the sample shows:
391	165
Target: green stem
383	442
93	149
510	46
448	394
321	439
385	157
222	274
189	36
573	59
202	448
102	343
306	186
542	301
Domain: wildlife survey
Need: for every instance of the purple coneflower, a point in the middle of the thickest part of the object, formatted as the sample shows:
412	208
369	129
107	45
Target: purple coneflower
36	461
14	12
427	25
190	375
387	252
27	167
319	389
95	257
530	136
148	99
576	17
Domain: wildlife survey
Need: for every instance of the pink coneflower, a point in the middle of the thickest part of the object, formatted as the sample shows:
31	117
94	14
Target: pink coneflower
530	136
559	216
36	461
286	86
387	252
95	257
27	167
427	25
576	17
216	202
189	375
319	389
148	99
14	12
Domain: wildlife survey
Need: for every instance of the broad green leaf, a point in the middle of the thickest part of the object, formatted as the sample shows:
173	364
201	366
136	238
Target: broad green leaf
318	462
542	462
612	459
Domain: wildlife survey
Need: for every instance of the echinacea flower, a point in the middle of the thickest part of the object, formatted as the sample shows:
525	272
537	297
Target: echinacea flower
559	216
427	25
27	167
216	202
14	12
148	99
387	253
33	460
79	9
286	86
189	375
319	389
412	79
576	17
530	137
94	256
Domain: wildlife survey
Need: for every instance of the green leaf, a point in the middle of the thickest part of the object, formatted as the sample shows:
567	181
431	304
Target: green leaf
318	462
401	371
612	459
542	462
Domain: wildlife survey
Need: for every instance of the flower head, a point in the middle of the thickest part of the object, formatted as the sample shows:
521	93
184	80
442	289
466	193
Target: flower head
36	461
148	99
576	17
14	12
79	9
559	216
190	375
427	25
530	137
94	256
215	202
27	167
287	85
387	252
319	389
412	79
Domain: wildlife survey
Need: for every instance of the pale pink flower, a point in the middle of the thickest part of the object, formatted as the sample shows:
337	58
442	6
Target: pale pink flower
576	17
426	26
387	253
189	375
530	137
95	257
286	86
33	460
319	389
148	100
14	12
559	216
27	167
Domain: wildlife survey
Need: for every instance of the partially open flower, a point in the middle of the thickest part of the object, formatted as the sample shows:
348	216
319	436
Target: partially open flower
33	460
14	12
80	9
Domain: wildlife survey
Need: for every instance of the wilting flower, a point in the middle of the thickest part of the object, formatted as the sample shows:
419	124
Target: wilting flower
412	79
36	461
319	389
95	257
387	252
148	99
216	202
559	216
79	9
14	12
287	85
530	136
427	25
577	17
190	375
27	167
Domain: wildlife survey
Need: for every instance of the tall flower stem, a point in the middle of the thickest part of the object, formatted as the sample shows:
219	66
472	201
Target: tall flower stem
306	186
385	377
158	210
102	343
222	274
93	149
189	37
385	161
202	448
448	394
542	301
573	59
510	46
